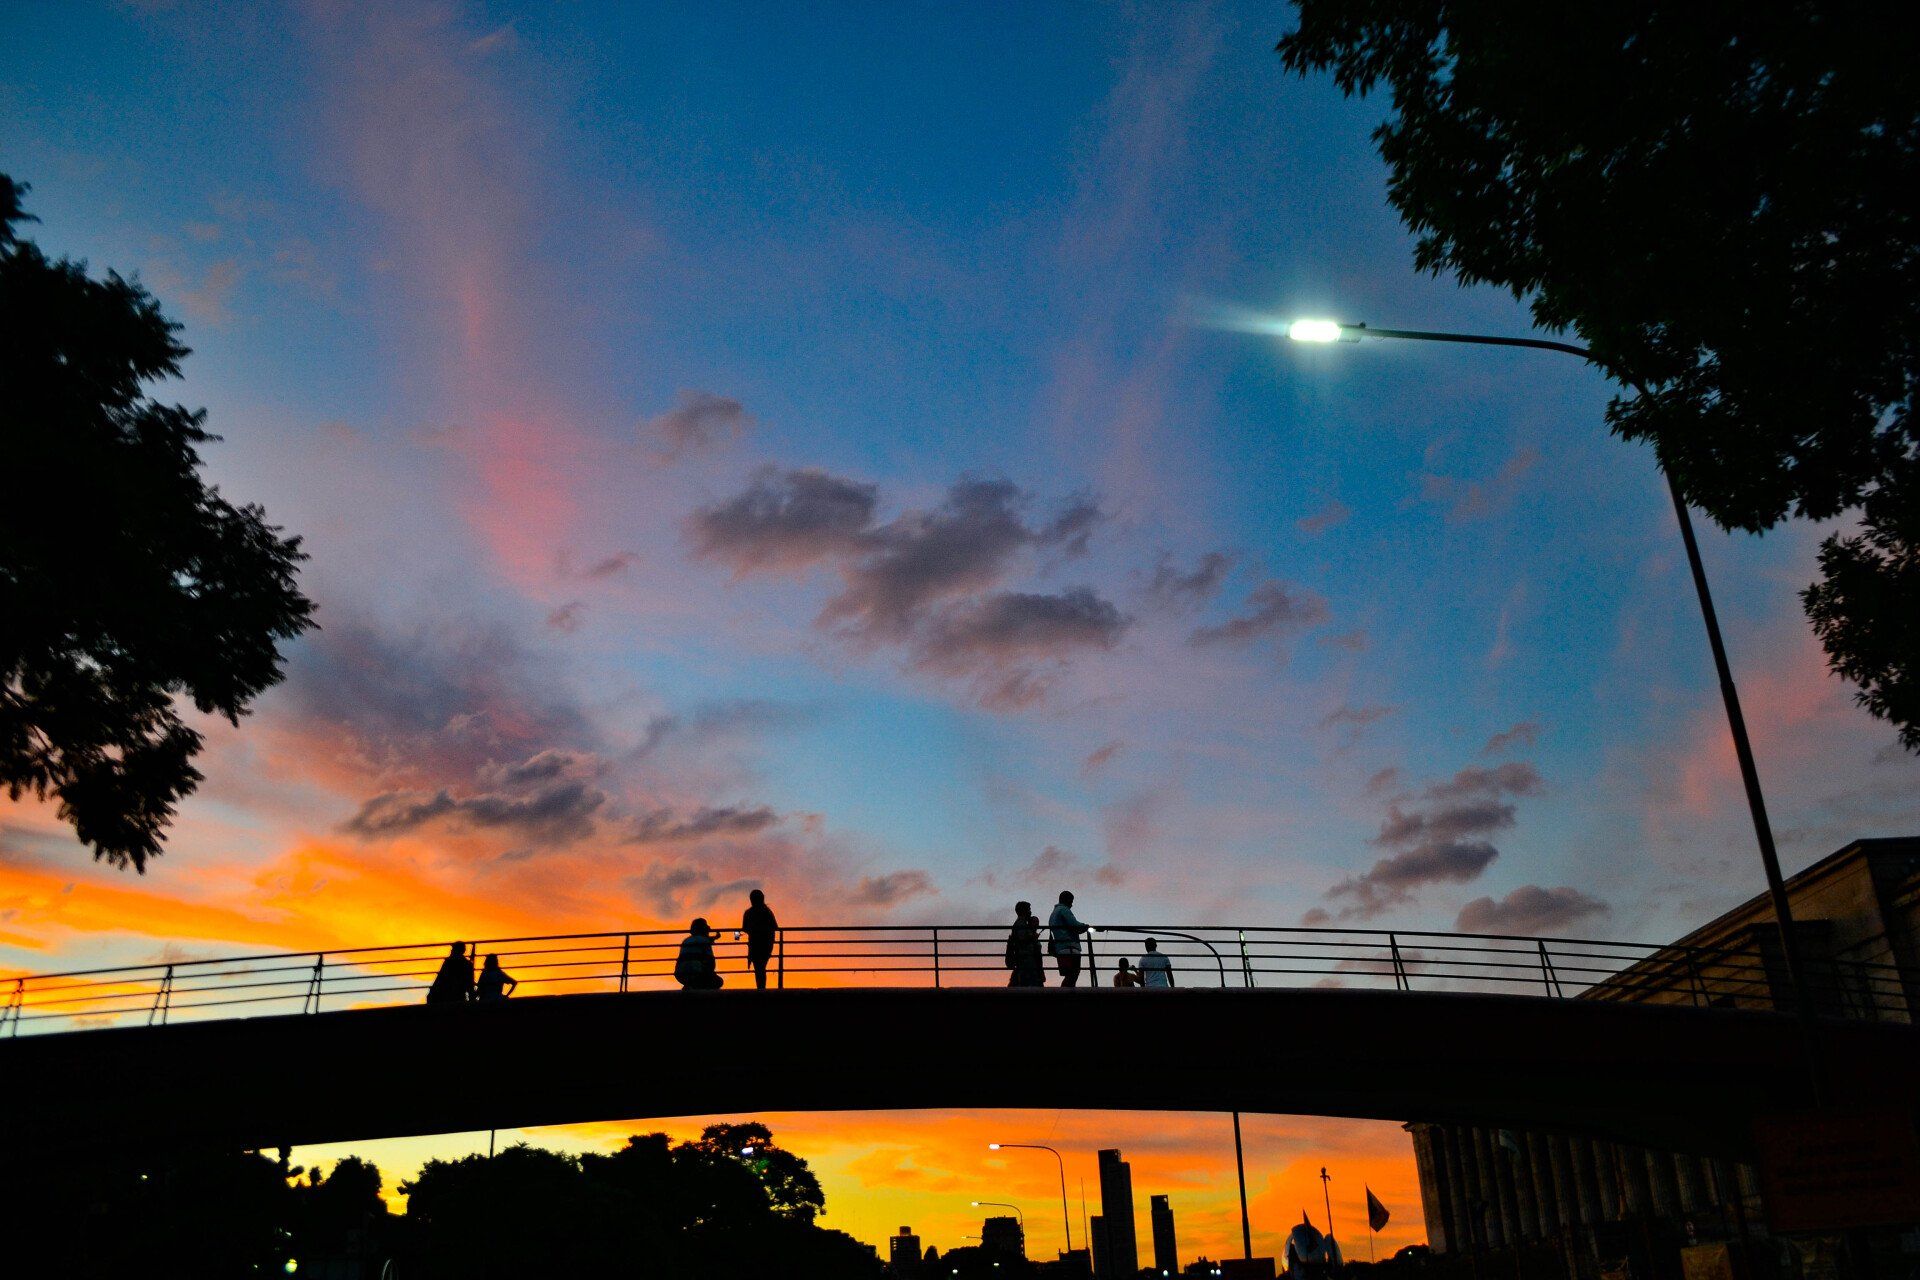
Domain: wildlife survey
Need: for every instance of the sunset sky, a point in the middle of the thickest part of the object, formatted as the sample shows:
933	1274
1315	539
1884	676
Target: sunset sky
815	448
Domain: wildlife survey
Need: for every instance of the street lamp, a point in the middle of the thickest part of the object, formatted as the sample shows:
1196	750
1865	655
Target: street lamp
1002	1204
1324	331
1066	1223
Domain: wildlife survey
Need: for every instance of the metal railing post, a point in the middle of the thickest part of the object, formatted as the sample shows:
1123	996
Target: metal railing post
162	999
1093	965
626	954
1548	977
1246	965
14	1002
314	984
1400	979
782	944
936	957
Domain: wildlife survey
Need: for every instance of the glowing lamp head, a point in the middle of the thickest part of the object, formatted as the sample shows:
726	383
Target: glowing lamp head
747	1151
993	1146
1314	331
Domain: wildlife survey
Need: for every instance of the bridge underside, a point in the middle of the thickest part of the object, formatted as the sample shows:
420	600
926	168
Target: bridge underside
1677	1078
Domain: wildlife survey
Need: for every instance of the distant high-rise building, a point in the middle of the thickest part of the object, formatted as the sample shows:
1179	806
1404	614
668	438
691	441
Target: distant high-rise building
1004	1235
1116	1207
1097	1245
1166	1254
903	1252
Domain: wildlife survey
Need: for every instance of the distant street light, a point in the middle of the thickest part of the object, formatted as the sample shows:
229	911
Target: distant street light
1066	1222
747	1152
1002	1204
1323	331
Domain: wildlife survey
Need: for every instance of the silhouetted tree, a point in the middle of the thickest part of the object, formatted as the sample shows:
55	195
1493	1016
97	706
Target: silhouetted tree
791	1186
340	1216
1717	199
126	581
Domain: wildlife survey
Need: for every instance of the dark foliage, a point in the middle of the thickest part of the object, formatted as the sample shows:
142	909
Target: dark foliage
1716	197
127	583
651	1209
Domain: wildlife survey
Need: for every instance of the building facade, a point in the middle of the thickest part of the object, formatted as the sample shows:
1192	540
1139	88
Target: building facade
1121	1247
903	1253
1004	1235
1166	1251
1857	920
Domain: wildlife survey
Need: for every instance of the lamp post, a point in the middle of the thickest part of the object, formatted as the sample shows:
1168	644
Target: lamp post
1002	1204
1324	331
1066	1223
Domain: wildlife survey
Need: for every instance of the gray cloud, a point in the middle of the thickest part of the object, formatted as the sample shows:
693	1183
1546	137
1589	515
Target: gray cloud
1478	499
1522	734
661	826
1171	587
617	563
698	421
1271	607
1441	839
1358	717
1335	513
1514	778
432	704
567	617
1529	910
892	888
1071	529
925	580
1002	636
963	545
786	520
556	814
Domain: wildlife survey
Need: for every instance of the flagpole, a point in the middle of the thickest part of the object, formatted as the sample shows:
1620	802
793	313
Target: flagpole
1326	1198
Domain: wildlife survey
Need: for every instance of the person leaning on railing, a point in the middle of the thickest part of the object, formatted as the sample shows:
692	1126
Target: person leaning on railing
1063	940
454	983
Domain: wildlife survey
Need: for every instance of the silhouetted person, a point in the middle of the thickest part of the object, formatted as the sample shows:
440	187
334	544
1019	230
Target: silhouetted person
1063	940
454	983
1155	969
761	930
495	982
1126	975
695	969
1023	949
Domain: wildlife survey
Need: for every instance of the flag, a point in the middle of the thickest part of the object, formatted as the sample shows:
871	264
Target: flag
1376	1212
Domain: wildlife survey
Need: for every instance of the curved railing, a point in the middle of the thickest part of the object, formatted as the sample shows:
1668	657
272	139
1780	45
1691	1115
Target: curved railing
942	956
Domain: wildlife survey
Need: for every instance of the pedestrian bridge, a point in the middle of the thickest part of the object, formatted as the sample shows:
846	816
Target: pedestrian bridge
1649	1045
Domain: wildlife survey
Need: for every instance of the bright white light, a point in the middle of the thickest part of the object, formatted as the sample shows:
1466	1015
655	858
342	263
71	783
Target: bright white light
1314	331
993	1146
746	1151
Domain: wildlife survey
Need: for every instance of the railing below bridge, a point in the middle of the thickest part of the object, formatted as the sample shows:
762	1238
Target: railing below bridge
941	956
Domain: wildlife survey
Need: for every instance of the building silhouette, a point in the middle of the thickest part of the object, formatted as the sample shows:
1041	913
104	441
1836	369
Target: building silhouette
903	1253
1122	1247
1857	921
1004	1235
1166	1253
1097	1245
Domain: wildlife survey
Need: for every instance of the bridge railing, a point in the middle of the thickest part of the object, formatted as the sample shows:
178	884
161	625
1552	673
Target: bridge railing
941	956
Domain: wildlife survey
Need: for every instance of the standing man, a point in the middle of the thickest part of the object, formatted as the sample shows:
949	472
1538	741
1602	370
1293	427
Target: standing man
1063	940
761	930
1155	969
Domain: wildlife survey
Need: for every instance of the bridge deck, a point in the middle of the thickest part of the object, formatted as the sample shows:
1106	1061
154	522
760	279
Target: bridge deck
1670	1076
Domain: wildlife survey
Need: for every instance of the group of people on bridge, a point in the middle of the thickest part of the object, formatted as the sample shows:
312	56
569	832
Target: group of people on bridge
696	969
1064	934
